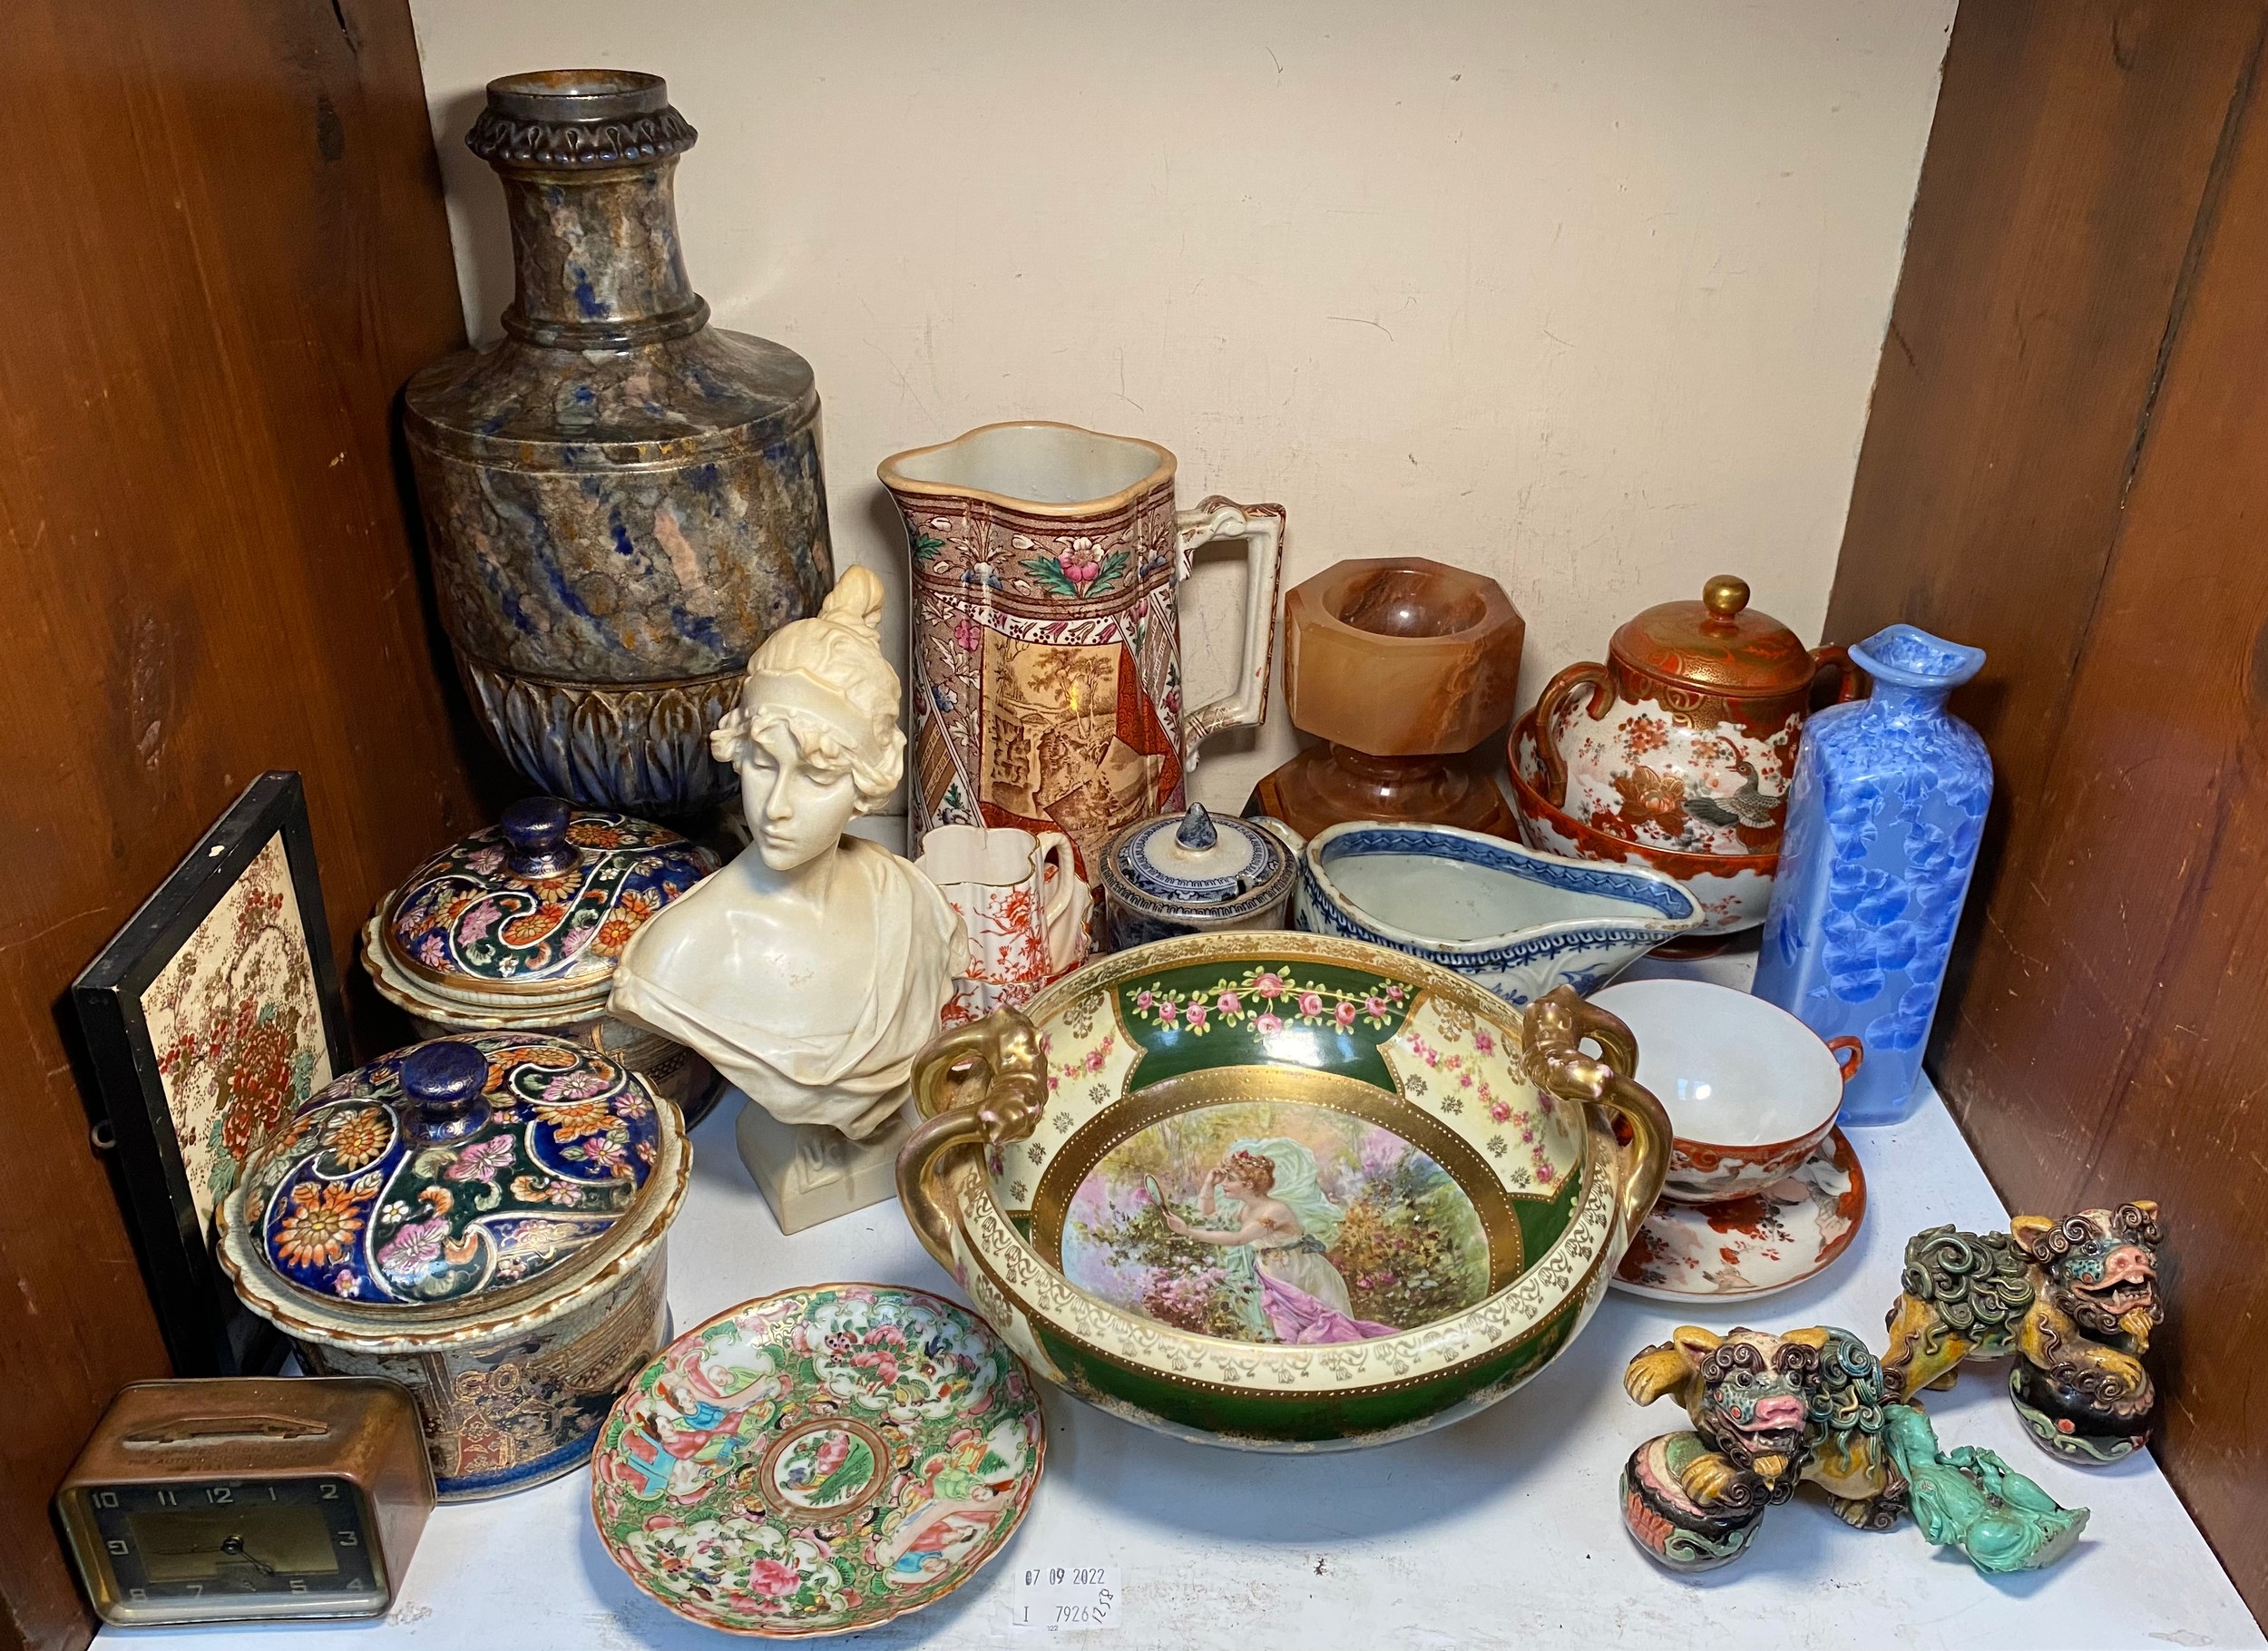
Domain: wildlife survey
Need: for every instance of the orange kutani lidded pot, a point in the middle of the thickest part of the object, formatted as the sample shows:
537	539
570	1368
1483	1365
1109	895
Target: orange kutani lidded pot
1685	739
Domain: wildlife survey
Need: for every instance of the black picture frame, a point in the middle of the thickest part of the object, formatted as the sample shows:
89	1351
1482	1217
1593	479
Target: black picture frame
207	1330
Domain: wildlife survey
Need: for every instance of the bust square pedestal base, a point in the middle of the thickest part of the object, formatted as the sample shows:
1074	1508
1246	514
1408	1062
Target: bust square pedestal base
810	1173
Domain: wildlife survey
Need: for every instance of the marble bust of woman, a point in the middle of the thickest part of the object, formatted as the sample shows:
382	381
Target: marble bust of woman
810	970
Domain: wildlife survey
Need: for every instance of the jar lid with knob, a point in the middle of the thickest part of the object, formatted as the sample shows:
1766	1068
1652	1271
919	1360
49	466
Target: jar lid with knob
466	1169
533	912
1196	866
1719	644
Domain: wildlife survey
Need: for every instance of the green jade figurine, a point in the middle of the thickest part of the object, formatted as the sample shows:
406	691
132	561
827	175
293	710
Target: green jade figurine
1969	1498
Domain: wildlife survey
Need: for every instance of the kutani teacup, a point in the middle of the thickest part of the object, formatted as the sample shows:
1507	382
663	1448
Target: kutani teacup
1025	907
1751	1091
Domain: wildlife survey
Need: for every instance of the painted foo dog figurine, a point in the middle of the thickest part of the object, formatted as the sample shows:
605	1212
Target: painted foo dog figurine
1770	1411
2077	1299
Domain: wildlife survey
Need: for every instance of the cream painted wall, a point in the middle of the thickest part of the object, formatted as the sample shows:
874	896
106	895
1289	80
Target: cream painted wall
1587	293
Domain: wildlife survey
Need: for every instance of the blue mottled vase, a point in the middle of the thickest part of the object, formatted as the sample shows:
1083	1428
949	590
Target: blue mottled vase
622	500
1883	824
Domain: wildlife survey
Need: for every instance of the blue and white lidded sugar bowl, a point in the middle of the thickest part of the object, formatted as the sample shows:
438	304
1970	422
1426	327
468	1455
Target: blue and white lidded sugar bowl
1194	874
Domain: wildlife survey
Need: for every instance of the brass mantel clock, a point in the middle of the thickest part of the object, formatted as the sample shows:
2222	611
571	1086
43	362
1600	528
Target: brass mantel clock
248	1499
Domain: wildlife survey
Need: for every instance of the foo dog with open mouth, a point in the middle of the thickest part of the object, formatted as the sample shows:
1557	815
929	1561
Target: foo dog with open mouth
2077	1298
1815	1405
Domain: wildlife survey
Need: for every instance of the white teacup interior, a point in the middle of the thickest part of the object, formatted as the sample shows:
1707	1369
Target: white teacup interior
1731	1069
1044	463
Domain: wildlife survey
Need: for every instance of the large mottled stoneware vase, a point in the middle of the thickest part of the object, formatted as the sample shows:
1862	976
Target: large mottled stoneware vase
1048	562
622	501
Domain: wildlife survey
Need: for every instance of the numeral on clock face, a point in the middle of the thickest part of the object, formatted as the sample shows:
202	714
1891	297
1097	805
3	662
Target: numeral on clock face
226	1544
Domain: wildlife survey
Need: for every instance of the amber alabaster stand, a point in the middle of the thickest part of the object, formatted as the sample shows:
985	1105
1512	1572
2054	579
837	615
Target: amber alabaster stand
1402	664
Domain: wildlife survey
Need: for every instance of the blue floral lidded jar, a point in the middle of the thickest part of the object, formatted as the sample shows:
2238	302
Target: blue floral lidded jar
536	910
1194	874
466	1166
1884	820
482	1218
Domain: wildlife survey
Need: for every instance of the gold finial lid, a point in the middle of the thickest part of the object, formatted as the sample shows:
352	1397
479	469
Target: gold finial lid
1719	644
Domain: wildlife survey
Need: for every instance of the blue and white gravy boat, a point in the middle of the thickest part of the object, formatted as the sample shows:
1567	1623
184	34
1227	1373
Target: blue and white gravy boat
1517	922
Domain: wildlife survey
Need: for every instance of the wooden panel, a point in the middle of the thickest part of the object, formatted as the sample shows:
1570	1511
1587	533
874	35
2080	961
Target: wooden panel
225	250
2063	466
2056	205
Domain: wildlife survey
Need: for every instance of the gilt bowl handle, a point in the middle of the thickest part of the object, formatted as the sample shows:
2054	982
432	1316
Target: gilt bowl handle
1553	1030
974	1086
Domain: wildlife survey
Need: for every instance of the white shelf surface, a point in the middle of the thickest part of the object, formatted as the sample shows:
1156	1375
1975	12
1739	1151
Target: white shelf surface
1503	1530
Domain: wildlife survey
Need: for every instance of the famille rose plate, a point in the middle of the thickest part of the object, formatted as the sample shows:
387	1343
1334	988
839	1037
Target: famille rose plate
818	1461
1792	1230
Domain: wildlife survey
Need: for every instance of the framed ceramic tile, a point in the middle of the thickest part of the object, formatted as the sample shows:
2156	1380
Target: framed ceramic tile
214	1012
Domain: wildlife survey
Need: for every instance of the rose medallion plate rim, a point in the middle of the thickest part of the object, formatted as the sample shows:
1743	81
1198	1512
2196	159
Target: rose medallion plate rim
778	1439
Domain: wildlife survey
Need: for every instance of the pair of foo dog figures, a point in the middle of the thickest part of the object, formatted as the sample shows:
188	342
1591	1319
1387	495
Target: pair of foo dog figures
2077	1299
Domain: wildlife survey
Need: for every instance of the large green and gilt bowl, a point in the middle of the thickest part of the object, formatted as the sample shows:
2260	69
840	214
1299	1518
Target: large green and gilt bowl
1283	1191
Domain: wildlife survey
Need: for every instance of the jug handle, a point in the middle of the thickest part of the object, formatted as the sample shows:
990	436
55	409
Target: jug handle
1850	680
1551	761
977	1086
1296	844
1261	527
1552	1032
1062	907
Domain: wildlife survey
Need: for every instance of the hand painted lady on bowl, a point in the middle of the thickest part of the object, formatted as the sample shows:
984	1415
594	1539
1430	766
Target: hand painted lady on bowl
1277	1252
1259	1222
1319	1195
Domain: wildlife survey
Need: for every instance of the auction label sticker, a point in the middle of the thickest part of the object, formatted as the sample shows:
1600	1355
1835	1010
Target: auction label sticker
1065	1598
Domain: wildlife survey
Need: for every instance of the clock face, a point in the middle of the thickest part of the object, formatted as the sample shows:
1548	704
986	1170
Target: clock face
213	1550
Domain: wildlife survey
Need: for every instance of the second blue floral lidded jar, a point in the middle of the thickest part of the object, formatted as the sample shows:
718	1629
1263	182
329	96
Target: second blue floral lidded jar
518	928
482	1218
1884	820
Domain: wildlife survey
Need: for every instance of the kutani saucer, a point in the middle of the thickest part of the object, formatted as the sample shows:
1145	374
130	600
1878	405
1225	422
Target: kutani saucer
1744	1248
818	1461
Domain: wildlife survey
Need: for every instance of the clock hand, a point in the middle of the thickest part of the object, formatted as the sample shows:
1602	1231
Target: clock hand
234	1548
